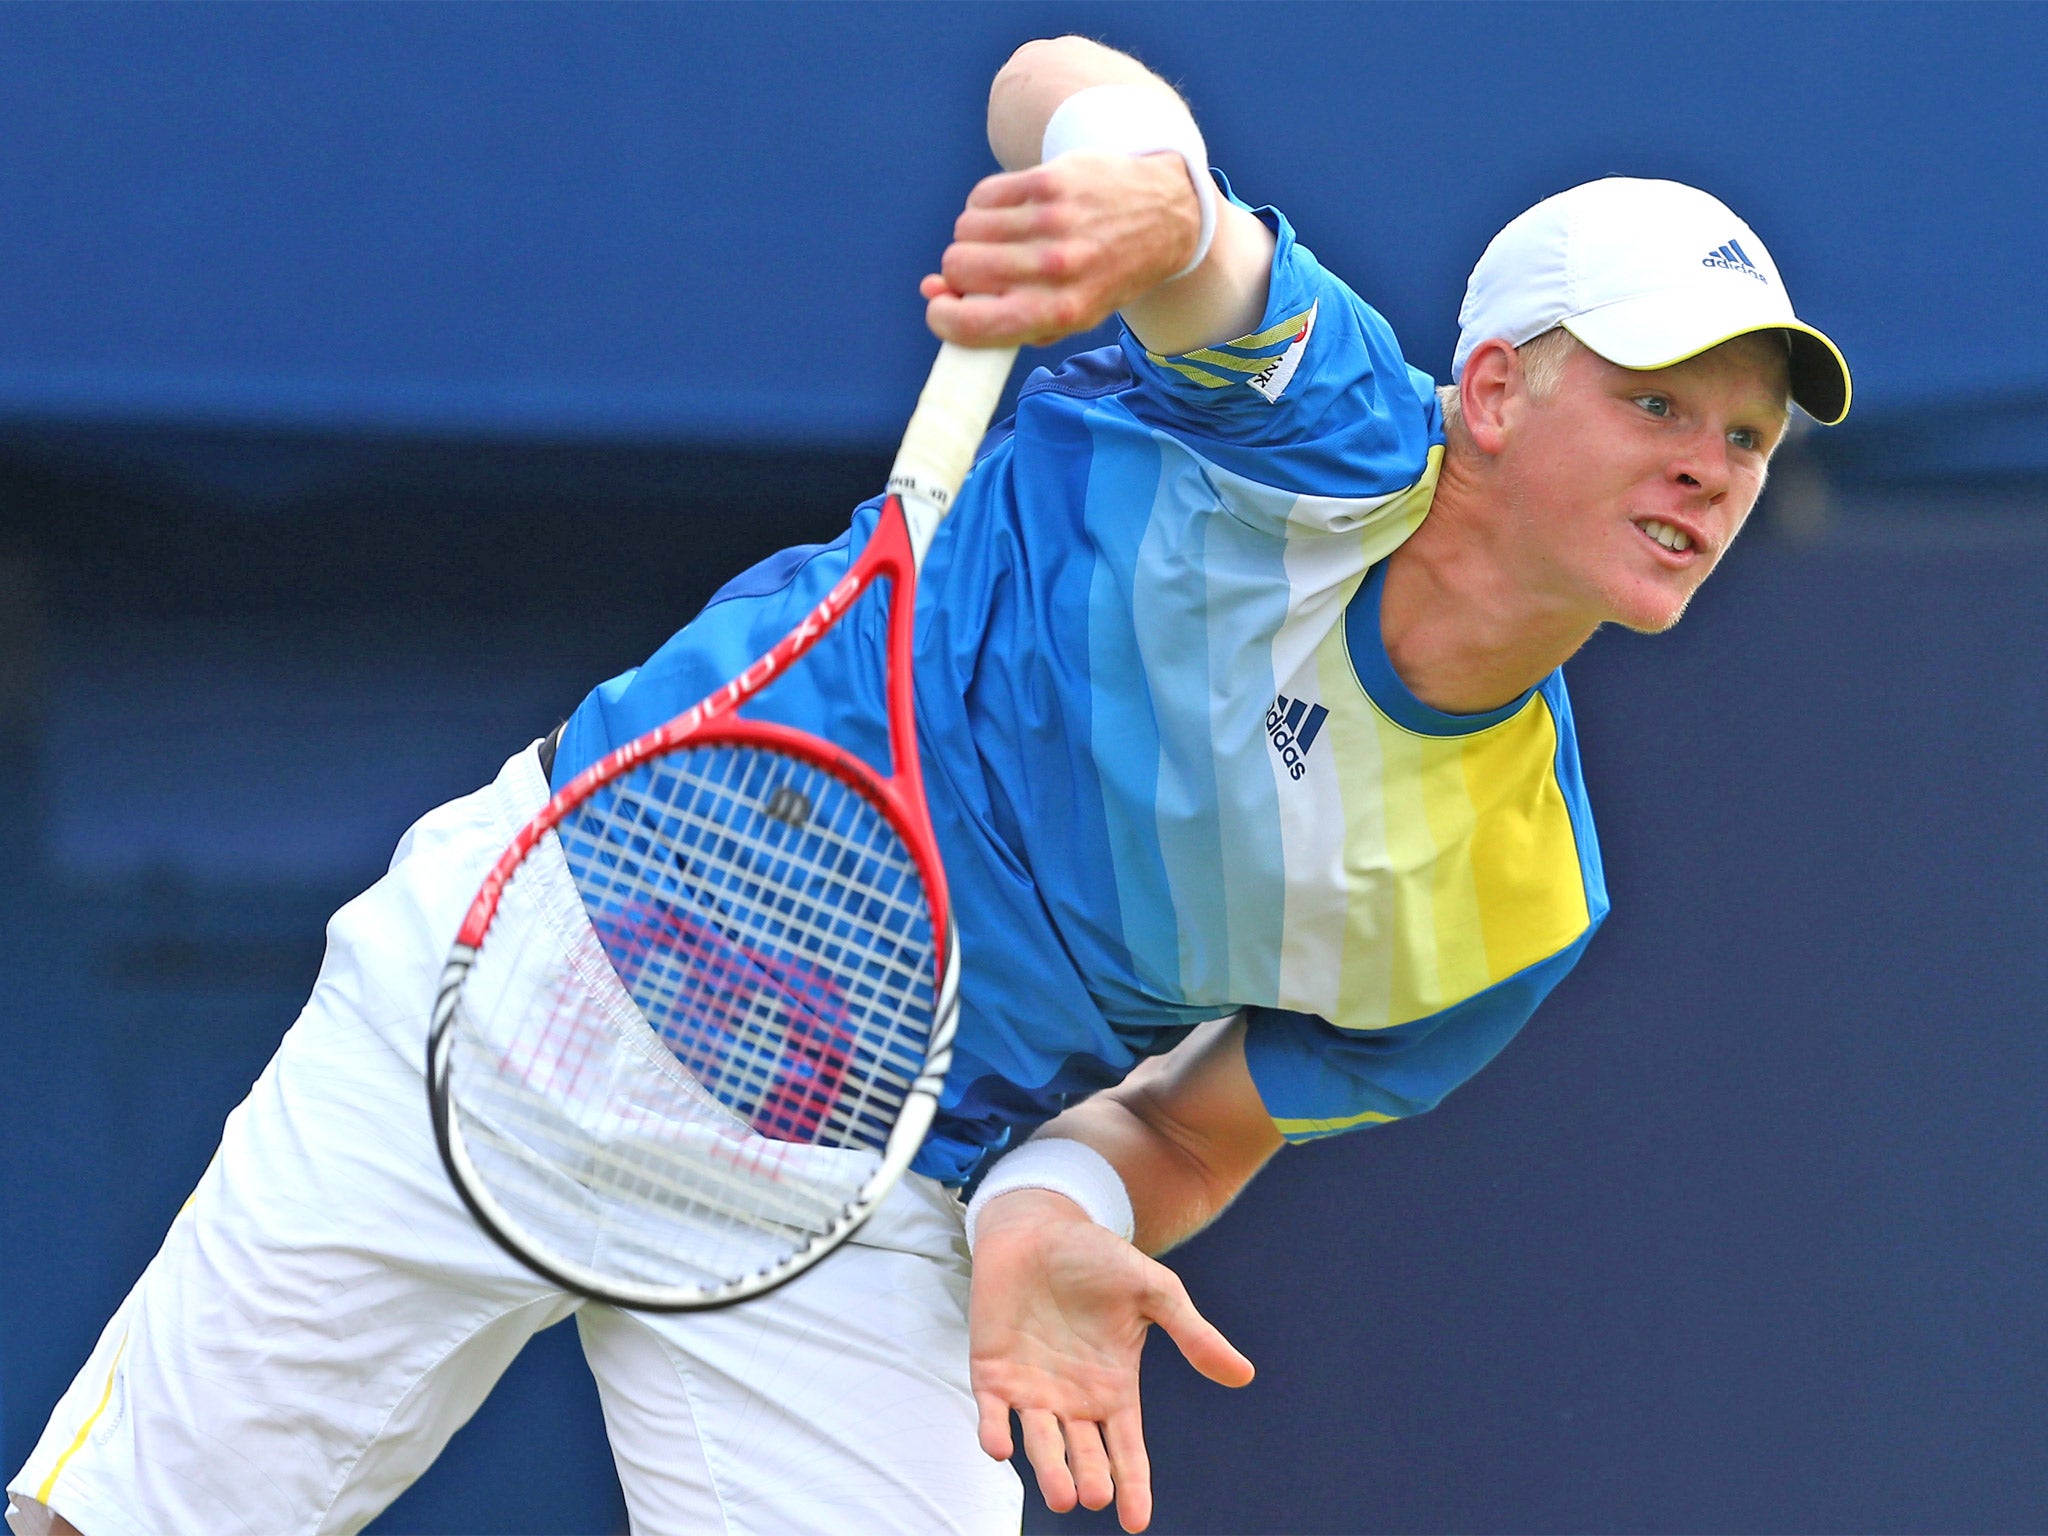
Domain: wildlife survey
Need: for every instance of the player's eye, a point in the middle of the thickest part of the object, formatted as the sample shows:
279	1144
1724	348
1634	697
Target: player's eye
1746	439
1656	405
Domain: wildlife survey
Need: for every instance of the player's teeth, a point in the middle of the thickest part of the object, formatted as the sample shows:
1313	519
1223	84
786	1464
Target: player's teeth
1668	536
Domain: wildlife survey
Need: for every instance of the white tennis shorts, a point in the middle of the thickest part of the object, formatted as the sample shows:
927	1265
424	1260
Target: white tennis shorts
324	1314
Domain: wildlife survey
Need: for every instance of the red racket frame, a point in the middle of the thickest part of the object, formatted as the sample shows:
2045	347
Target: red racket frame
710	722
898	797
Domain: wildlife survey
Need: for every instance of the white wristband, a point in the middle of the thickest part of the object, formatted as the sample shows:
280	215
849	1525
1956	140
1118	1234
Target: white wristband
1067	1168
1136	120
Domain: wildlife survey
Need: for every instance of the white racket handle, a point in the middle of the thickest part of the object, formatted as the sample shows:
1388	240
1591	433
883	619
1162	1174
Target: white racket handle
952	414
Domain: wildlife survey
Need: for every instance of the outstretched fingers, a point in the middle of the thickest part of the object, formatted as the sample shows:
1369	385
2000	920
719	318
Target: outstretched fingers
1132	1466
1057	1323
996	1439
1076	1460
1046	1447
1073	1464
1089	1463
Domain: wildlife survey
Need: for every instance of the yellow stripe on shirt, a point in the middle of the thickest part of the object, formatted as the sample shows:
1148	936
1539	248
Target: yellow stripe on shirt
1330	1127
1460	860
1525	855
1185	363
1201	376
1486	870
1461	969
78	1440
1215	359
1272	333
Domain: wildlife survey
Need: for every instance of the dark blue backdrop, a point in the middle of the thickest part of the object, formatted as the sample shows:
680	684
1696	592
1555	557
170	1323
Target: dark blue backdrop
706	221
316	322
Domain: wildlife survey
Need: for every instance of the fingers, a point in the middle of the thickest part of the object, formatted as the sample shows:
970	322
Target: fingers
1133	1470
1073	1466
989	267
993	294
980	321
1047	1449
995	1434
1024	242
988	294
1007	319
1089	1463
1199	1339
1021	221
1007	188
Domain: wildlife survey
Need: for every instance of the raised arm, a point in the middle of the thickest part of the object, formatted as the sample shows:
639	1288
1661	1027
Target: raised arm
1042	251
1061	1305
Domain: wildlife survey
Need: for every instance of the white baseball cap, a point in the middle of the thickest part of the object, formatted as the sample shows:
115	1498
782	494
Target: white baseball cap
1647	274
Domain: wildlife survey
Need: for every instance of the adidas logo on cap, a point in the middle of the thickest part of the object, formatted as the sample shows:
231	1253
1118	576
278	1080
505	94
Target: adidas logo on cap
1732	257
1624	262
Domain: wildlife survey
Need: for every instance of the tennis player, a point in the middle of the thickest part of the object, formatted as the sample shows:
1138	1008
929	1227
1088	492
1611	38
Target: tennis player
1259	795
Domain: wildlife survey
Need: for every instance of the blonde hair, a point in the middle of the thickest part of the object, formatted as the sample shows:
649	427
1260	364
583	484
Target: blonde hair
1543	360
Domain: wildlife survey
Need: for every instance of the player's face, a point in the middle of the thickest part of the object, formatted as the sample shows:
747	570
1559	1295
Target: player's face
1638	482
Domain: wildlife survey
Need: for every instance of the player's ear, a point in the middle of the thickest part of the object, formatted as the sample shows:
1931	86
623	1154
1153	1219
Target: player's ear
1485	389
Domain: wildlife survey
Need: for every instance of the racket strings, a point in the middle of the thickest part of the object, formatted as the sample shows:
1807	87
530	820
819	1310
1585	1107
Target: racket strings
523	1131
879	883
771	927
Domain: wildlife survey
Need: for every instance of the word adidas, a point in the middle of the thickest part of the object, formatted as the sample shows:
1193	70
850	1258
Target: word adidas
1733	258
1293	725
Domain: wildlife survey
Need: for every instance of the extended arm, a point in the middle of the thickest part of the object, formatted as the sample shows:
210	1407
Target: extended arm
1044	251
1061	1306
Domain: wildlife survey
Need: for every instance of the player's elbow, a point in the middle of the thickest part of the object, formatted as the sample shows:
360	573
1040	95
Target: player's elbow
1069	64
1047	67
1038	50
1040	75
1069	55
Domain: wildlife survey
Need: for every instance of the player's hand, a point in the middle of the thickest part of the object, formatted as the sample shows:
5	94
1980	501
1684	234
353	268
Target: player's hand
1057	1320
1046	252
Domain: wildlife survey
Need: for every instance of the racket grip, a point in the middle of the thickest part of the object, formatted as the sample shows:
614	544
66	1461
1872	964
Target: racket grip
953	412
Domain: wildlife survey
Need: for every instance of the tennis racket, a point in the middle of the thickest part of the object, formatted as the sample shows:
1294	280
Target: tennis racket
695	1023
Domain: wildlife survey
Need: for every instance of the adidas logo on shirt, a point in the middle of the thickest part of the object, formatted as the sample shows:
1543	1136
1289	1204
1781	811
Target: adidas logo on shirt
1293	725
1733	258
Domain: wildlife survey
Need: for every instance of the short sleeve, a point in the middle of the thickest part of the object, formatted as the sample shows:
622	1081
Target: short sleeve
1316	1079
1318	400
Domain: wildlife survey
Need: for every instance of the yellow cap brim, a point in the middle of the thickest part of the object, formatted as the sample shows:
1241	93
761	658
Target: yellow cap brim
1819	372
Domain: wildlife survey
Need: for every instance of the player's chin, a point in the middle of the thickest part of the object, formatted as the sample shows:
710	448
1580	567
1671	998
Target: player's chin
1651	607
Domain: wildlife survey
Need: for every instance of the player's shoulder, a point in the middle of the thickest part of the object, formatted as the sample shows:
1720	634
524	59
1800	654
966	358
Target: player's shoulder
1303	296
1096	374
1318	399
1316	405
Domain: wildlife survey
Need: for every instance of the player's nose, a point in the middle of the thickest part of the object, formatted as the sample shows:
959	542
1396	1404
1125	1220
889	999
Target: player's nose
1701	465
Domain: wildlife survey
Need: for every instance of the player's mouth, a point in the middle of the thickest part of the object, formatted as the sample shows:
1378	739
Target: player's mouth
1677	546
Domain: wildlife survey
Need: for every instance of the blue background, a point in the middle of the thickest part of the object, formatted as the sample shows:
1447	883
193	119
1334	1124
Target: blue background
375	379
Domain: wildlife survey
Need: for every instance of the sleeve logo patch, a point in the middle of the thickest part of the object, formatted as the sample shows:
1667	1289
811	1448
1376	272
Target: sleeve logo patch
1273	379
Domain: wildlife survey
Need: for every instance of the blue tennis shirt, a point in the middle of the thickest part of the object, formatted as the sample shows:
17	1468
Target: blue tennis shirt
1172	772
